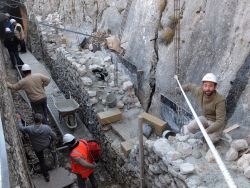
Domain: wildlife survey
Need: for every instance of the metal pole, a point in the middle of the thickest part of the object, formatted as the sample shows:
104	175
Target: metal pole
141	152
216	155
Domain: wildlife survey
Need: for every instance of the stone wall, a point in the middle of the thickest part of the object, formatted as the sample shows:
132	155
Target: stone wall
18	168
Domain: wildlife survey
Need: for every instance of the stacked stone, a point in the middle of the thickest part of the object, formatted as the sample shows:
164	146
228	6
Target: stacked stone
166	161
243	162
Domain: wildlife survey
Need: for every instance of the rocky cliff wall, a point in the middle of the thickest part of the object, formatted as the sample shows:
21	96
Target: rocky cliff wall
18	168
214	38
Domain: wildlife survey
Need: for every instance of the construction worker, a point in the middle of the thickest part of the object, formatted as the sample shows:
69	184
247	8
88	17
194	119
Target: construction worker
82	163
11	43
212	105
41	136
33	85
7	23
19	33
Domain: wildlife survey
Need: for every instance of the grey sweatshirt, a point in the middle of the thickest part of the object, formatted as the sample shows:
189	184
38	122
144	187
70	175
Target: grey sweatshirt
40	135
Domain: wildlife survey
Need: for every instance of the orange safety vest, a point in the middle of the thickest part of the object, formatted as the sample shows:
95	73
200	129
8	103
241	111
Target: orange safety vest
81	151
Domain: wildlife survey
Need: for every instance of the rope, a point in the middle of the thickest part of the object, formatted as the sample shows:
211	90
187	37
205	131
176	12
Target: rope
216	155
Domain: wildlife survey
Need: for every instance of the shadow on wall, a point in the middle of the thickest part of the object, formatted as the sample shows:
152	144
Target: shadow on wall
238	86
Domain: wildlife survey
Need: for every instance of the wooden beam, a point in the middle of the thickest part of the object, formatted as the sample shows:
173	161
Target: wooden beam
229	129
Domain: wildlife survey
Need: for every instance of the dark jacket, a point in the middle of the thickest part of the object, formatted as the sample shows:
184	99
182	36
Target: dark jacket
10	41
40	135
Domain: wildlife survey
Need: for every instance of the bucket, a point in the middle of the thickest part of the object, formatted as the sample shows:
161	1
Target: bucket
168	133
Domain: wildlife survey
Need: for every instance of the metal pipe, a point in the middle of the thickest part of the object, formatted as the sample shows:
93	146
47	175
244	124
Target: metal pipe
216	155
141	151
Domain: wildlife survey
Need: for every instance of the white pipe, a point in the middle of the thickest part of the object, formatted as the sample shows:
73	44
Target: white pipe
217	157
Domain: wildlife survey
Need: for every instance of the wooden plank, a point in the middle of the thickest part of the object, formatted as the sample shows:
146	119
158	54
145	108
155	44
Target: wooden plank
158	124
229	129
109	116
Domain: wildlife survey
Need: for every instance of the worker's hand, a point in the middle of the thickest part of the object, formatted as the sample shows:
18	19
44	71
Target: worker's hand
18	117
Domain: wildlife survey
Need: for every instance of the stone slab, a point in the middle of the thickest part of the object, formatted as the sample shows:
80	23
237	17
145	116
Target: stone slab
59	178
158	124
110	116
126	147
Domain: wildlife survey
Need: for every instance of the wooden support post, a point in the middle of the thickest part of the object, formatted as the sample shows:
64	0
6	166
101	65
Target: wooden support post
141	151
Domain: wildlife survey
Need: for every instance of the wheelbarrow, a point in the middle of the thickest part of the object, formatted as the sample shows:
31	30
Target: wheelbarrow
67	109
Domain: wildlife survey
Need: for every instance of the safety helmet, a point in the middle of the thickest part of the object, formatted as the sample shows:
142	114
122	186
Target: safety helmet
26	67
209	77
7	29
67	138
12	21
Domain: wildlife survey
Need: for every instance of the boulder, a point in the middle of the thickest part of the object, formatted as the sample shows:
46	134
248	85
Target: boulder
92	93
126	85
86	81
247	172
155	169
239	145
232	154
244	161
209	157
186	168
162	147
184	148
173	155
82	70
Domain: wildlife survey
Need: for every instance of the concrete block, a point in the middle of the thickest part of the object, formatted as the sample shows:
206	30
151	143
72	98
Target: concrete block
158	124
109	116
126	148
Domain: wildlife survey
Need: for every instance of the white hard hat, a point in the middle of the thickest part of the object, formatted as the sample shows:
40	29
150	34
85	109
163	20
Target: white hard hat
67	138
26	67
210	77
7	29
12	21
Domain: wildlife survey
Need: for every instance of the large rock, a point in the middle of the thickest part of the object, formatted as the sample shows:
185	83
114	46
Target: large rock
209	157
162	147
184	148
86	81
232	154
239	145
186	168
244	161
155	169
247	172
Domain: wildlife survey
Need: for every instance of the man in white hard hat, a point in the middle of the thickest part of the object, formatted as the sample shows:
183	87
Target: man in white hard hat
19	33
212	106
7	23
33	85
82	163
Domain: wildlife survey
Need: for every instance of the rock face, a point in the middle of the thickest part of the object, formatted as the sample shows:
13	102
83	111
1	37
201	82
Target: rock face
211	41
17	165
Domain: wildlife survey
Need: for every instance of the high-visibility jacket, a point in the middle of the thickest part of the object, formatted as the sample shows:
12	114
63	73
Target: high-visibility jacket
81	151
19	34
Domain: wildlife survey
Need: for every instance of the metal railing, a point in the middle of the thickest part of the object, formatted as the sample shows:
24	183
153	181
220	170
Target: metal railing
4	169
